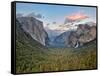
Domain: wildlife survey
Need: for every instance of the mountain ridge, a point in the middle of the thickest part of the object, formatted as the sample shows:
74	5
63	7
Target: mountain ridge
35	28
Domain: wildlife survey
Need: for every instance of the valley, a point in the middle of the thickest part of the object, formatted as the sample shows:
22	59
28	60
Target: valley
32	54
40	59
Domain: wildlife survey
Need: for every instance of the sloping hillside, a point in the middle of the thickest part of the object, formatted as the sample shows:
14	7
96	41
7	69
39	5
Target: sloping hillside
60	59
32	56
34	28
28	51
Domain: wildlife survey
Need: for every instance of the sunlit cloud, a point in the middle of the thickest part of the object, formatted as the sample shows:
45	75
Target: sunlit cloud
76	17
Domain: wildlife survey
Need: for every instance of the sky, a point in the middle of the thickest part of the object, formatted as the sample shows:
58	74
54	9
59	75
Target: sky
57	13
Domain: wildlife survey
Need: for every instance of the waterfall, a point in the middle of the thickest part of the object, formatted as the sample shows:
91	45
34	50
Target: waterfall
77	44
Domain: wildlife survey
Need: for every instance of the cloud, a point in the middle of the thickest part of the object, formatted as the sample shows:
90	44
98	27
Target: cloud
39	16
76	17
33	14
54	22
19	15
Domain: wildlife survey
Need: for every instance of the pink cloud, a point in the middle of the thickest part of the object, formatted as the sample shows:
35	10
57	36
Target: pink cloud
77	16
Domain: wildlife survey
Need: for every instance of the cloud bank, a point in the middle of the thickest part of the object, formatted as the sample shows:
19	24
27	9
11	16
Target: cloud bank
75	17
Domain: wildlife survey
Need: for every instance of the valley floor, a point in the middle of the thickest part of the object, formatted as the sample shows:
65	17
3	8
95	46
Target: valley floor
58	59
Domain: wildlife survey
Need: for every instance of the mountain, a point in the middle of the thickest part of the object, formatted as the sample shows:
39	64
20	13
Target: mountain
84	34
75	38
55	30
34	28
58	33
29	52
91	23
62	39
31	56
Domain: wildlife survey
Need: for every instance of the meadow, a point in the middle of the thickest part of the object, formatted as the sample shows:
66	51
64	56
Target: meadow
37	58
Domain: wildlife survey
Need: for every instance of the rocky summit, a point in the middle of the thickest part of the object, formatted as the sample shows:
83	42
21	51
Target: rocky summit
82	35
34	28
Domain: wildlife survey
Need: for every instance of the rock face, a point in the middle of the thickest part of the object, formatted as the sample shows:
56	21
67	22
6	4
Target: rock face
84	34
62	39
72	39
34	28
75	38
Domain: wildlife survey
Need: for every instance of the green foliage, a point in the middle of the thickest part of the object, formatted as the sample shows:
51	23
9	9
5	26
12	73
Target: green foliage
31	56
39	59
